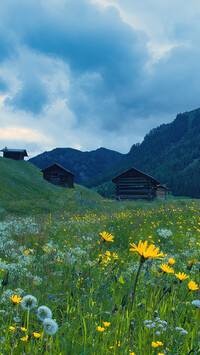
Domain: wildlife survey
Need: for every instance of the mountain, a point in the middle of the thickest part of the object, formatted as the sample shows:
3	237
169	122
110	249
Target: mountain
170	153
85	165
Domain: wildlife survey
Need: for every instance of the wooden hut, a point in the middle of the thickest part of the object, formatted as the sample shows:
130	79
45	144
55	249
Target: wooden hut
16	154
161	192
58	175
133	184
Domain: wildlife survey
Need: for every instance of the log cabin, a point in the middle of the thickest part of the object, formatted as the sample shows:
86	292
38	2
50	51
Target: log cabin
133	184
16	154
58	175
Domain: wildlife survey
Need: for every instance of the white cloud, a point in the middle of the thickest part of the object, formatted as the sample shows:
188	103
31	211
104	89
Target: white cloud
13	133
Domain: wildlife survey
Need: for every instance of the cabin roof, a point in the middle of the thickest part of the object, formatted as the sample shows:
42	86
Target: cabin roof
133	169
164	187
14	151
60	166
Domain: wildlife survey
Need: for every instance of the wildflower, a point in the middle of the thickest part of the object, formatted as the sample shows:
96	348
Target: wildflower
155	345
171	261
107	237
146	253
167	269
192	286
106	324
16	299
23	329
100	329
29	302
26	252
192	262
50	326
196	303
43	312
181	276
24	338
36	335
13	329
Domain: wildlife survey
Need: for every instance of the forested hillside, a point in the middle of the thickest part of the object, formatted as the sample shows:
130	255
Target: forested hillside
170	153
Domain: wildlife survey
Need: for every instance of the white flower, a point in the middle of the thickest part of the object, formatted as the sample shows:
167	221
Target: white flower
29	302
184	332
44	312
50	326
196	303
158	333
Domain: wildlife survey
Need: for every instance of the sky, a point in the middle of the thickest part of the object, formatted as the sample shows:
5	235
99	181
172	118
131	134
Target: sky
95	73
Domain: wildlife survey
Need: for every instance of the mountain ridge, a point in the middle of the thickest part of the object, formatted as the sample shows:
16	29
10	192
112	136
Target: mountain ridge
169	152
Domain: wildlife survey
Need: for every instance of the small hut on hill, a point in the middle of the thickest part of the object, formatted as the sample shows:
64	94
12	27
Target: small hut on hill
58	175
133	184
16	154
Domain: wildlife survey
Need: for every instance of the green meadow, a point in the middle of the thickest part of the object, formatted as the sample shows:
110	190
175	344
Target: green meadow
70	283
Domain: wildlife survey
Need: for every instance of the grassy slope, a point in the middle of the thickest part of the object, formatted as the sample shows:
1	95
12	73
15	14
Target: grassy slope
23	189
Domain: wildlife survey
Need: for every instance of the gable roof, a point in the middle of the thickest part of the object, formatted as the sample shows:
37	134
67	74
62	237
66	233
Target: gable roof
134	170
60	166
15	151
163	187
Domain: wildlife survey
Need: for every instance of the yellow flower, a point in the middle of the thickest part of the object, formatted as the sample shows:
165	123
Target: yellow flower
26	252
181	276
171	261
100	329
167	269
13	329
36	335
23	329
107	237
24	338
146	253
192	262
106	324
155	345
16	299
192	286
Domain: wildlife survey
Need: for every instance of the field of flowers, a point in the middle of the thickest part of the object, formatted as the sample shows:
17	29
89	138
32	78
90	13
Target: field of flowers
123	279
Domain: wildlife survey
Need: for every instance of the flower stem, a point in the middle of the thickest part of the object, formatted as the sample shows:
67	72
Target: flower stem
136	280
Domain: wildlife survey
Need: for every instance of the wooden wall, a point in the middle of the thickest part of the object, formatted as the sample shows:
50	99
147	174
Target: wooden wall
135	186
14	155
58	176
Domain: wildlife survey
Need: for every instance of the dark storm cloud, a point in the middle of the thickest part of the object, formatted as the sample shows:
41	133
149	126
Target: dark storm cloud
92	70
90	41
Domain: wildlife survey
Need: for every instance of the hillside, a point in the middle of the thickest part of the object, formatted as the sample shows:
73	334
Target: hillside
170	153
23	190
85	165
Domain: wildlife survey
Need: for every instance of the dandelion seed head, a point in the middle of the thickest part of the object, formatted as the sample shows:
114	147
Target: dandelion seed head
50	326
43	312
29	302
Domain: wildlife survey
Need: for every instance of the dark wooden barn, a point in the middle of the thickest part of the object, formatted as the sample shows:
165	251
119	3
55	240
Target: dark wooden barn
133	184
16	154
58	175
161	192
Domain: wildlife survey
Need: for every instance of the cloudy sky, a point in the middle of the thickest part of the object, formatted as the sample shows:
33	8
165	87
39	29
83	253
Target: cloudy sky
91	73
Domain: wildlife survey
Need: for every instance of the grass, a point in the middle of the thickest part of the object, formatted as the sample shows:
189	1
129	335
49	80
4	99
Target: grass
55	253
